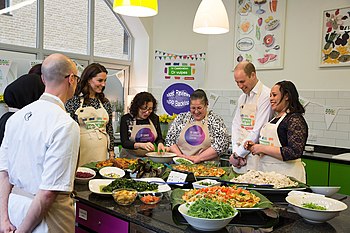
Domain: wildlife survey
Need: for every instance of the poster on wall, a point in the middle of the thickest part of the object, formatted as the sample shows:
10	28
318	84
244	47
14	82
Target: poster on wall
8	73
335	43
178	75
259	33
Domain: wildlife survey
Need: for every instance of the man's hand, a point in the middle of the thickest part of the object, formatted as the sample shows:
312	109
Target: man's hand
237	161
6	226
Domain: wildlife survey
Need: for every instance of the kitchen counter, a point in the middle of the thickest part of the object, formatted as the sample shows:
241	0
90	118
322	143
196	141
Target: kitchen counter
159	218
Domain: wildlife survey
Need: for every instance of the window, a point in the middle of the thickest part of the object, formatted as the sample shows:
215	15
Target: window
65	29
19	27
111	40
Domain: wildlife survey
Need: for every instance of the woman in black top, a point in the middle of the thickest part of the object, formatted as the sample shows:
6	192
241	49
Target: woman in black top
140	128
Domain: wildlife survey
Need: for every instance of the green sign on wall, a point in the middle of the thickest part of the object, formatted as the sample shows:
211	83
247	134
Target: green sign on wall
179	70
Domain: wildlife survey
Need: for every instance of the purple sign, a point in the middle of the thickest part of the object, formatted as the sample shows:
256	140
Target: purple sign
144	135
176	98
194	135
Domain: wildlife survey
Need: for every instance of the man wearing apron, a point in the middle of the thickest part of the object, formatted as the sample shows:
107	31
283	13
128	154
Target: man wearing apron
253	112
139	133
38	157
94	140
269	137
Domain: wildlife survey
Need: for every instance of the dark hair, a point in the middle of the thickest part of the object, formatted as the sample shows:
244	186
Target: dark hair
83	86
141	99
199	94
36	69
289	89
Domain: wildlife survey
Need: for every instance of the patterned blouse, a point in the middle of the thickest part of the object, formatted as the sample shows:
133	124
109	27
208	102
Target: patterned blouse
217	131
292	133
73	104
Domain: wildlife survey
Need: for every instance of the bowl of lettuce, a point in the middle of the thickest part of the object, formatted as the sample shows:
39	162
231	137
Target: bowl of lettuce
207	215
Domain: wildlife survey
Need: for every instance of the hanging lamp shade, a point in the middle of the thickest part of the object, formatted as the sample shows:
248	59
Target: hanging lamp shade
137	8
211	18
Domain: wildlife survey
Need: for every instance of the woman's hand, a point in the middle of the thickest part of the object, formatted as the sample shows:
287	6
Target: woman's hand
148	146
161	148
257	149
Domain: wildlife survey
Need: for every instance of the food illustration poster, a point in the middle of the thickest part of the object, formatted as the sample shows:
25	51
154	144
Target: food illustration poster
259	33
335	37
8	73
170	67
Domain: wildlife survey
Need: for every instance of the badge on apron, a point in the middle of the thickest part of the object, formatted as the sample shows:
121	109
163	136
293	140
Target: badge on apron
194	135
144	135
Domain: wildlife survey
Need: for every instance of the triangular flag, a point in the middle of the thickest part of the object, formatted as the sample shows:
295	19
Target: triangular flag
232	104
329	115
212	100
303	101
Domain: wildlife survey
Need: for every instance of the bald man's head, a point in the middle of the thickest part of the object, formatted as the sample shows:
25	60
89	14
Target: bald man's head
56	67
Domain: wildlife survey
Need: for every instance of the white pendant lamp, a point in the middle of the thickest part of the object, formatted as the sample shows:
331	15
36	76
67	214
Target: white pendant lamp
137	8
211	18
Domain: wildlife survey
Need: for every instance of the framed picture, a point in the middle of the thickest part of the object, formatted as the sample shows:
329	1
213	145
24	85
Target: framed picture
335	43
259	33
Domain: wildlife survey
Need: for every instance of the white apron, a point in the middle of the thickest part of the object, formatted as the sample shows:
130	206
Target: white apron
293	168
94	140
248	112
59	219
194	137
140	133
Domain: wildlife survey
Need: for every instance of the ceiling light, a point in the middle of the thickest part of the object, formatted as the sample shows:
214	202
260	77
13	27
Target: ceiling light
211	18
137	8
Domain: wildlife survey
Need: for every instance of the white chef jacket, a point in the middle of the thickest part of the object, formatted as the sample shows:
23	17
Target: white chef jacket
46	157
263	114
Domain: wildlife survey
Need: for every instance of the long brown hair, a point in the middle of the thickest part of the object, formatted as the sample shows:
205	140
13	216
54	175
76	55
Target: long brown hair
287	88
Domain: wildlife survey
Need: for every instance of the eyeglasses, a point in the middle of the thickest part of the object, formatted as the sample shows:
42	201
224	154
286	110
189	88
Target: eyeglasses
75	76
145	109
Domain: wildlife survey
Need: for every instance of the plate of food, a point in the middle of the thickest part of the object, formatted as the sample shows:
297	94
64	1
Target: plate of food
106	186
162	185
277	181
239	198
184	161
201	170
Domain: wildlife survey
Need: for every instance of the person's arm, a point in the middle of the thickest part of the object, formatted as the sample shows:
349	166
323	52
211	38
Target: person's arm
37	210
218	134
208	154
109	129
155	120
6	187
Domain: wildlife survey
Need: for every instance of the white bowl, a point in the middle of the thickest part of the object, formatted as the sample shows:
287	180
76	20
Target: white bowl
204	224
180	160
325	190
85	170
166	157
205	183
333	207
111	172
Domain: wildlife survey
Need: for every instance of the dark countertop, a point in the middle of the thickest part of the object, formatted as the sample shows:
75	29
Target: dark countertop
159	218
324	153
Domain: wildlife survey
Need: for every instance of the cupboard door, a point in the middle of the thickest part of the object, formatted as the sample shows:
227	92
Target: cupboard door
316	172
99	221
339	176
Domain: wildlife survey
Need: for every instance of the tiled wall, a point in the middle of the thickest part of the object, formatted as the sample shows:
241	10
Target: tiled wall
338	134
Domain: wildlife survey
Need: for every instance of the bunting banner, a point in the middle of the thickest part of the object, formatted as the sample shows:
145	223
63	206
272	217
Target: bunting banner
212	100
329	115
303	101
232	105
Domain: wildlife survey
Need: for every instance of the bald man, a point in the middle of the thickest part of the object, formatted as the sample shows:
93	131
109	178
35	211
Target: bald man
252	112
38	157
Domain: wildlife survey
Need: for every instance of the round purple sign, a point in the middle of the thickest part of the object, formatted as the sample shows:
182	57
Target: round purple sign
144	135
176	98
194	135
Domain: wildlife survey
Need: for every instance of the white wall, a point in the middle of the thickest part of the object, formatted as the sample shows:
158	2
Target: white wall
172	32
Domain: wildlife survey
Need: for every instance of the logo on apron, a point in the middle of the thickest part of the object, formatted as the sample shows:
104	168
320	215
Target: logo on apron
194	135
144	135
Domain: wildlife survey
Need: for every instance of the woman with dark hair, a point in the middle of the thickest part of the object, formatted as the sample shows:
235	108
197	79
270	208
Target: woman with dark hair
140	128
93	111
282	140
198	135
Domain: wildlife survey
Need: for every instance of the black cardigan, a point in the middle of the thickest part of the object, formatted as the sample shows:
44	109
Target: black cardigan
125	134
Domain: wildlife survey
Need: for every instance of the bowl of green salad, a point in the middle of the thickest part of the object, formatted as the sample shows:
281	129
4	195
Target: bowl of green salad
316	208
207	215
